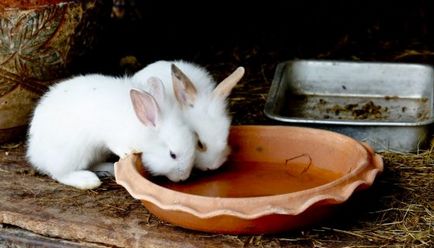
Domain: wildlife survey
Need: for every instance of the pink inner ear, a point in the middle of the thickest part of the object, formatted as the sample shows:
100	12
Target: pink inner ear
145	107
185	92
183	96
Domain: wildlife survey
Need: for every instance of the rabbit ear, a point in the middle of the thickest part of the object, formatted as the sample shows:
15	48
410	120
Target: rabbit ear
156	89
145	106
184	89
225	87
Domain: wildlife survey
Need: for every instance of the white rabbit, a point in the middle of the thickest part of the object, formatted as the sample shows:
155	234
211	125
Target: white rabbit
81	120
203	105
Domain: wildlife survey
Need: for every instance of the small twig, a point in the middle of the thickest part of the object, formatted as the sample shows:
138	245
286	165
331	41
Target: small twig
409	53
393	209
291	240
249	241
406	212
10	145
299	156
343	231
376	235
390	223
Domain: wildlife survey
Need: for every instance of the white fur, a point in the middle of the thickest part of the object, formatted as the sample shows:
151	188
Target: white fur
80	120
208	117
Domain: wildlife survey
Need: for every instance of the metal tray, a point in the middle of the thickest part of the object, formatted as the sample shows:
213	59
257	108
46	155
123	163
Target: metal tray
388	105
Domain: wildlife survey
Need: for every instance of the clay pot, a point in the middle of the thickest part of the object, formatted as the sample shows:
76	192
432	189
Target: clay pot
39	39
277	178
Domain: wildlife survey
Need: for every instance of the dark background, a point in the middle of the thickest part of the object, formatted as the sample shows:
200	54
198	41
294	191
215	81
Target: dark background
262	33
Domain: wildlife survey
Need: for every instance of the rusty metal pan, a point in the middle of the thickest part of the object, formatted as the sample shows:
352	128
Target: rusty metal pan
388	105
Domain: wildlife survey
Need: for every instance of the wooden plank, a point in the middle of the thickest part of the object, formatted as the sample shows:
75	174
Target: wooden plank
15	237
107	215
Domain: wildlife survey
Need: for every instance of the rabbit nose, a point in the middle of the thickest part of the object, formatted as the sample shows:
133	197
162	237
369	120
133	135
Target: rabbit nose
181	175
185	177
174	178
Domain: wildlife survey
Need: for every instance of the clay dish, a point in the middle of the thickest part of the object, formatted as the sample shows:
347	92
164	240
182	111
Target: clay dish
277	178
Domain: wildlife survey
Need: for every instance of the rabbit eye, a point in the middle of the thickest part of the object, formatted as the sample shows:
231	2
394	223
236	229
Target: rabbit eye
201	146
172	155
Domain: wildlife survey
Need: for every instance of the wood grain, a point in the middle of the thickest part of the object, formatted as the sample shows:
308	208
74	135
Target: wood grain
106	216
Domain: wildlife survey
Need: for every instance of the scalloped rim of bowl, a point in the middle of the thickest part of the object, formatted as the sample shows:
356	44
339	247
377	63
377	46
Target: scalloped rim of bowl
208	207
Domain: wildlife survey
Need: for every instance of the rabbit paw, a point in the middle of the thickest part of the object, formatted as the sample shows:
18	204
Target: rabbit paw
80	179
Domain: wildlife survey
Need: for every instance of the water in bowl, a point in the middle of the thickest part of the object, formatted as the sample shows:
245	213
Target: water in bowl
253	179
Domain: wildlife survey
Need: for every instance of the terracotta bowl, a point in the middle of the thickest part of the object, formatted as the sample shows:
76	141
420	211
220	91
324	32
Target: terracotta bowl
39	39
277	178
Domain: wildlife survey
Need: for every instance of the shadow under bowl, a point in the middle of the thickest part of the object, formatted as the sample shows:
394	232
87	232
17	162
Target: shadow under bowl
277	178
